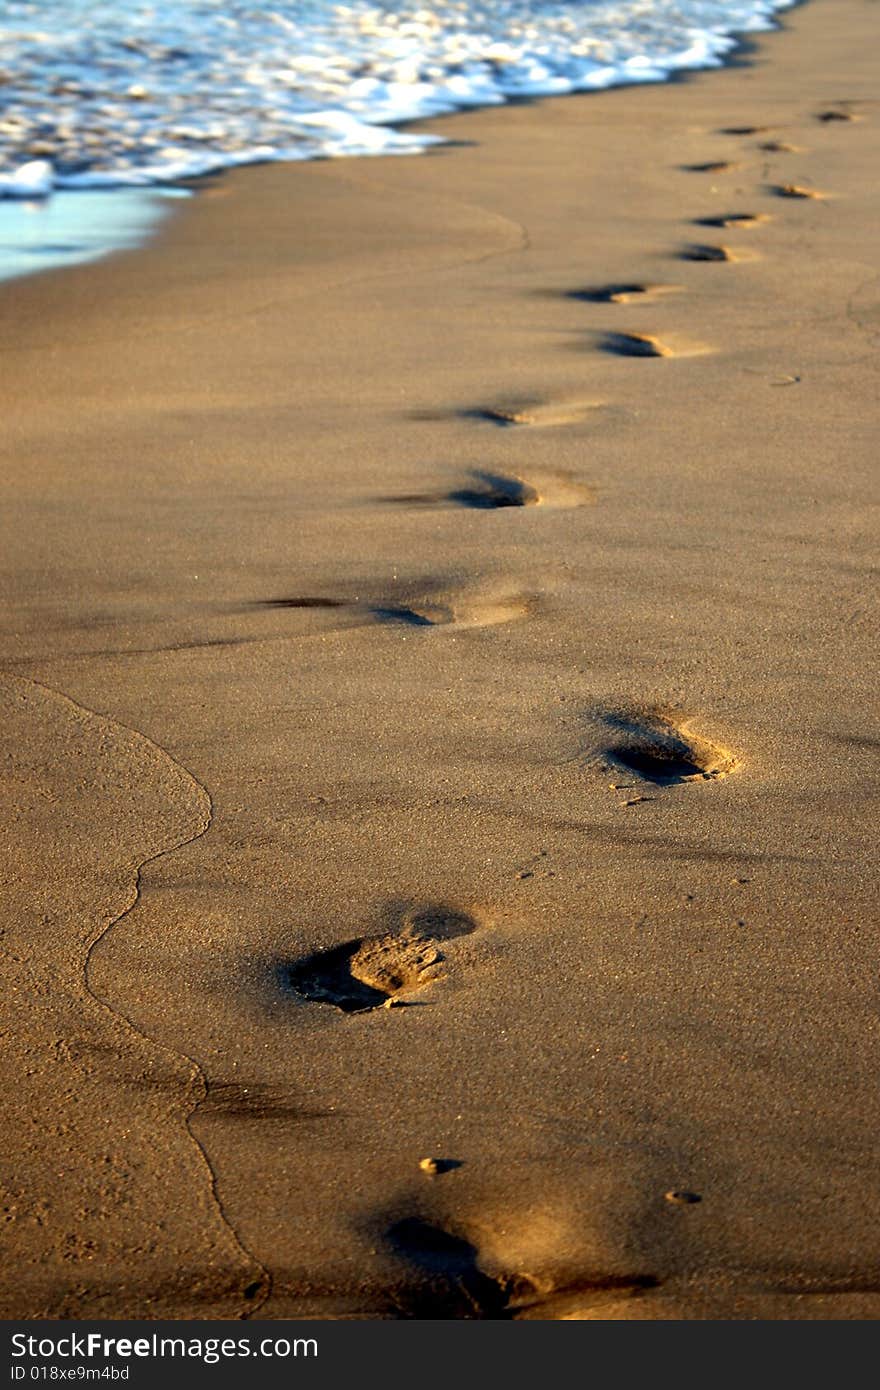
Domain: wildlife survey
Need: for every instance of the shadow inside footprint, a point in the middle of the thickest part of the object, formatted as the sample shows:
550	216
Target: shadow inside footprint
634	345
519	413
301	603
610	294
491	491
731	219
330	977
660	752
450	1283
431	605
706	253
714	166
655	763
832	115
794	190
780	147
488	492
394	614
380	612
366	973
504	416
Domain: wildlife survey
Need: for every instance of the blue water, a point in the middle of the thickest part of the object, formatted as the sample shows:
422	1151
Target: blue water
98	94
72	228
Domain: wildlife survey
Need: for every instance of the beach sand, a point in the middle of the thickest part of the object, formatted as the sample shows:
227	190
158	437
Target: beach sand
442	581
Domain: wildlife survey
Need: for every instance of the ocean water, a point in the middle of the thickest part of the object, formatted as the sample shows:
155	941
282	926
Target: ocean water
72	228
107	105
107	92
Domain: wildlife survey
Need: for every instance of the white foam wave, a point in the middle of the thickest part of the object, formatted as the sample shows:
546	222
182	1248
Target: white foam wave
99	93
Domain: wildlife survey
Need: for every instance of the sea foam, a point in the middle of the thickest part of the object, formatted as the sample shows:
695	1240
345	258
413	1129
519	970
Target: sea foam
97	93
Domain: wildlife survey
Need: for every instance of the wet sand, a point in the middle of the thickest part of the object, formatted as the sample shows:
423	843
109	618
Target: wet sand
439	723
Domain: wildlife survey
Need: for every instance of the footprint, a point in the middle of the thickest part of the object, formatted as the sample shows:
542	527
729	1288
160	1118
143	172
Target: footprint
459	611
399	613
744	129
433	606
451	1282
635	345
646	345
657	749
833	114
534	413
301	603
715	166
795	190
488	492
733	219
781	147
492	491
379	612
366	973
622	294
709	253
519	413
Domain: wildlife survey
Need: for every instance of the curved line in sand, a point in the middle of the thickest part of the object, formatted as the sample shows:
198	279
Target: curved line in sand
198	1078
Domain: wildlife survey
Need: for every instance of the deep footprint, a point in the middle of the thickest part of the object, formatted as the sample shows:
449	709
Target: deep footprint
504	416
301	603
451	1283
635	345
707	253
795	190
621	294
780	147
364	974
491	491
398	613
656	750
380	612
732	219
715	166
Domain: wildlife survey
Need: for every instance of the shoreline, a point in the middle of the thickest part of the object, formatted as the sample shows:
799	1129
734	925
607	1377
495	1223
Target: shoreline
16	248
448	559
